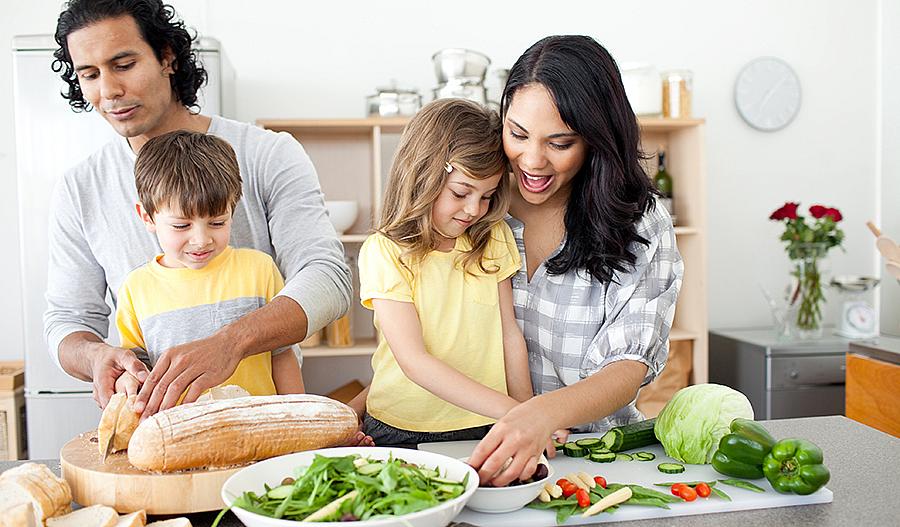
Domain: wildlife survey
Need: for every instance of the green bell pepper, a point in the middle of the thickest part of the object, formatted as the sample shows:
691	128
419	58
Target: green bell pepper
795	465
741	453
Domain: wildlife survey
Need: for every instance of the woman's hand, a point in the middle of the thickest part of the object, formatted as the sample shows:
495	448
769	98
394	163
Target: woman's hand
521	435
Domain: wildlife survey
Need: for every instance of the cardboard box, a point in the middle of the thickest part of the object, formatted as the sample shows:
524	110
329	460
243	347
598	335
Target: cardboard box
12	375
13	439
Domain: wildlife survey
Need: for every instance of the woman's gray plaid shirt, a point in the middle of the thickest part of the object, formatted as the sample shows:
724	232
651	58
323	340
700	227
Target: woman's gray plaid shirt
575	325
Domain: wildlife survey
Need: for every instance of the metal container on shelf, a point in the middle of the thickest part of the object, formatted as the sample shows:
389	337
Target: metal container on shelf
460	64
462	90
391	101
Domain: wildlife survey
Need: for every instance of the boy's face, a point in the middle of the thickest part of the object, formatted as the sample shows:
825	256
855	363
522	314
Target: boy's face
188	242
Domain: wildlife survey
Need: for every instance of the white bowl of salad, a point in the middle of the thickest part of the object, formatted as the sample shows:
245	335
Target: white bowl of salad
368	486
513	496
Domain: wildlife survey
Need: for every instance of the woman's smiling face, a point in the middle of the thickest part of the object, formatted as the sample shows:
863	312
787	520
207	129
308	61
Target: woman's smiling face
545	154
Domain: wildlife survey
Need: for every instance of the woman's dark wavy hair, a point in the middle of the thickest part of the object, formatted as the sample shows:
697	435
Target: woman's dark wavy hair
611	192
159	27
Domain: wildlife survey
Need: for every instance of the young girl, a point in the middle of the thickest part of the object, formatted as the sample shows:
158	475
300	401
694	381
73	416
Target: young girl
451	359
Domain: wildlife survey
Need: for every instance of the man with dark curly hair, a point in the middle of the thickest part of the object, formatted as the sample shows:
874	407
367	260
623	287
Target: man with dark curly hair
132	62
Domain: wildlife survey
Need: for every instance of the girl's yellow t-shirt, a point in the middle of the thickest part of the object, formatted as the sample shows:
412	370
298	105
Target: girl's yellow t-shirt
460	317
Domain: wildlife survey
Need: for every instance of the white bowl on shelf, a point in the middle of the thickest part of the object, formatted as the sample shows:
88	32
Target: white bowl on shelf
342	214
273	471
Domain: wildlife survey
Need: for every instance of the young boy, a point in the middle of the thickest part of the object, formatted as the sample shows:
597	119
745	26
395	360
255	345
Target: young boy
188	184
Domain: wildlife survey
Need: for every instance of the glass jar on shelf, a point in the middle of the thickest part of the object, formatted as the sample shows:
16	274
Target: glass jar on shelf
677	91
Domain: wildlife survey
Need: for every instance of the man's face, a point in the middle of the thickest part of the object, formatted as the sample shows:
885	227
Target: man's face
121	77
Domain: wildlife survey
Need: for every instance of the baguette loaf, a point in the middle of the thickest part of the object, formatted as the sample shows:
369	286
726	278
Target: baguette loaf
217	434
229	391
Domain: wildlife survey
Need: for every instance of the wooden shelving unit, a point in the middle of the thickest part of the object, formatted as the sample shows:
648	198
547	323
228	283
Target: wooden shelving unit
353	156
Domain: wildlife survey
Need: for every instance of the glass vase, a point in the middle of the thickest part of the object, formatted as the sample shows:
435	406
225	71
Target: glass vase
807	296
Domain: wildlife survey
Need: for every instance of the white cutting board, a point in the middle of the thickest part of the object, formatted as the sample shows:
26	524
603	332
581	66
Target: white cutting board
643	473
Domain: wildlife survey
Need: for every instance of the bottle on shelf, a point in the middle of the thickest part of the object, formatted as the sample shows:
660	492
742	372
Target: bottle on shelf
663	182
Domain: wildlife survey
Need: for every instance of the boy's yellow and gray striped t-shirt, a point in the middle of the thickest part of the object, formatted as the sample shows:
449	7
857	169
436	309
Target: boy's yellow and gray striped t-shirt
160	307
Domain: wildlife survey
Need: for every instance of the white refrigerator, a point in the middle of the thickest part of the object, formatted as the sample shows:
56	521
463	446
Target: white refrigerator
50	138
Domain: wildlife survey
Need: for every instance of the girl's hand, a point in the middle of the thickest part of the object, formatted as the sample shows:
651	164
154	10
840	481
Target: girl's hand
561	435
521	435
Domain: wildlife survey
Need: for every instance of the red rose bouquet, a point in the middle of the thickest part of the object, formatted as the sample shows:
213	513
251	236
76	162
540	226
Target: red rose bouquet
806	241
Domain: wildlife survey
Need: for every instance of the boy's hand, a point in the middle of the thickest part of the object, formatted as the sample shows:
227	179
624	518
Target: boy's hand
127	384
360	439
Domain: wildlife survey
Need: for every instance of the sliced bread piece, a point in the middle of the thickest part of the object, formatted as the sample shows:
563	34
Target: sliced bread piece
174	522
93	516
21	515
36	484
133	519
126	424
106	430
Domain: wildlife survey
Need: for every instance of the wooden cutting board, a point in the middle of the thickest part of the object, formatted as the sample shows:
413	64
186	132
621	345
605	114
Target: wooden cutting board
117	484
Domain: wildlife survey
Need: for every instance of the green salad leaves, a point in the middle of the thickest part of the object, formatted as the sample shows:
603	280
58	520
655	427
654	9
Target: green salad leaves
382	488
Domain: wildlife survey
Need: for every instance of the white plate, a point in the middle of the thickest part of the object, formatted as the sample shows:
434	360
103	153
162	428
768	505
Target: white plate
272	471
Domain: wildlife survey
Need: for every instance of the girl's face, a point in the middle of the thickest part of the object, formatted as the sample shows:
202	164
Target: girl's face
462	202
544	152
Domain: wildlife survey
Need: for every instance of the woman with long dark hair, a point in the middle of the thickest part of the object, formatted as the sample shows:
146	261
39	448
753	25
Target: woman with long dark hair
601	273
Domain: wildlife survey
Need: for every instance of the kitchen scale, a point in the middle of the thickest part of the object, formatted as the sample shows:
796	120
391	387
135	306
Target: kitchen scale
858	318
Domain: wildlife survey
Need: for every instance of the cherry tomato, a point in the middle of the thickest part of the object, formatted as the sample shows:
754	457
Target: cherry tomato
584	500
676	489
688	494
703	490
600	480
568	489
562	482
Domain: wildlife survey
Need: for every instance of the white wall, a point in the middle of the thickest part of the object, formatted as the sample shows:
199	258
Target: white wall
302	59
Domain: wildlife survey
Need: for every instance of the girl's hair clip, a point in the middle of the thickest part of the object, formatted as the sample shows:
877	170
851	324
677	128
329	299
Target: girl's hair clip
448	167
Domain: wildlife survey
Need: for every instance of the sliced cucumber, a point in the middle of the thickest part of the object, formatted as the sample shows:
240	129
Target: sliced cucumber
644	456
572	450
631	436
557	445
281	492
623	457
370	469
670	468
588	442
602	457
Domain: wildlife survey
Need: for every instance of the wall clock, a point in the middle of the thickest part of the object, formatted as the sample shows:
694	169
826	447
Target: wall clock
767	94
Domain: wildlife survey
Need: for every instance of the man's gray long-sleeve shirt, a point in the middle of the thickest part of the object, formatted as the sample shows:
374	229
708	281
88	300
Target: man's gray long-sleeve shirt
97	238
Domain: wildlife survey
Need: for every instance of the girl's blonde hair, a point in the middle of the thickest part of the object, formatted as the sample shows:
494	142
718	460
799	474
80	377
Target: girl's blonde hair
455	131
